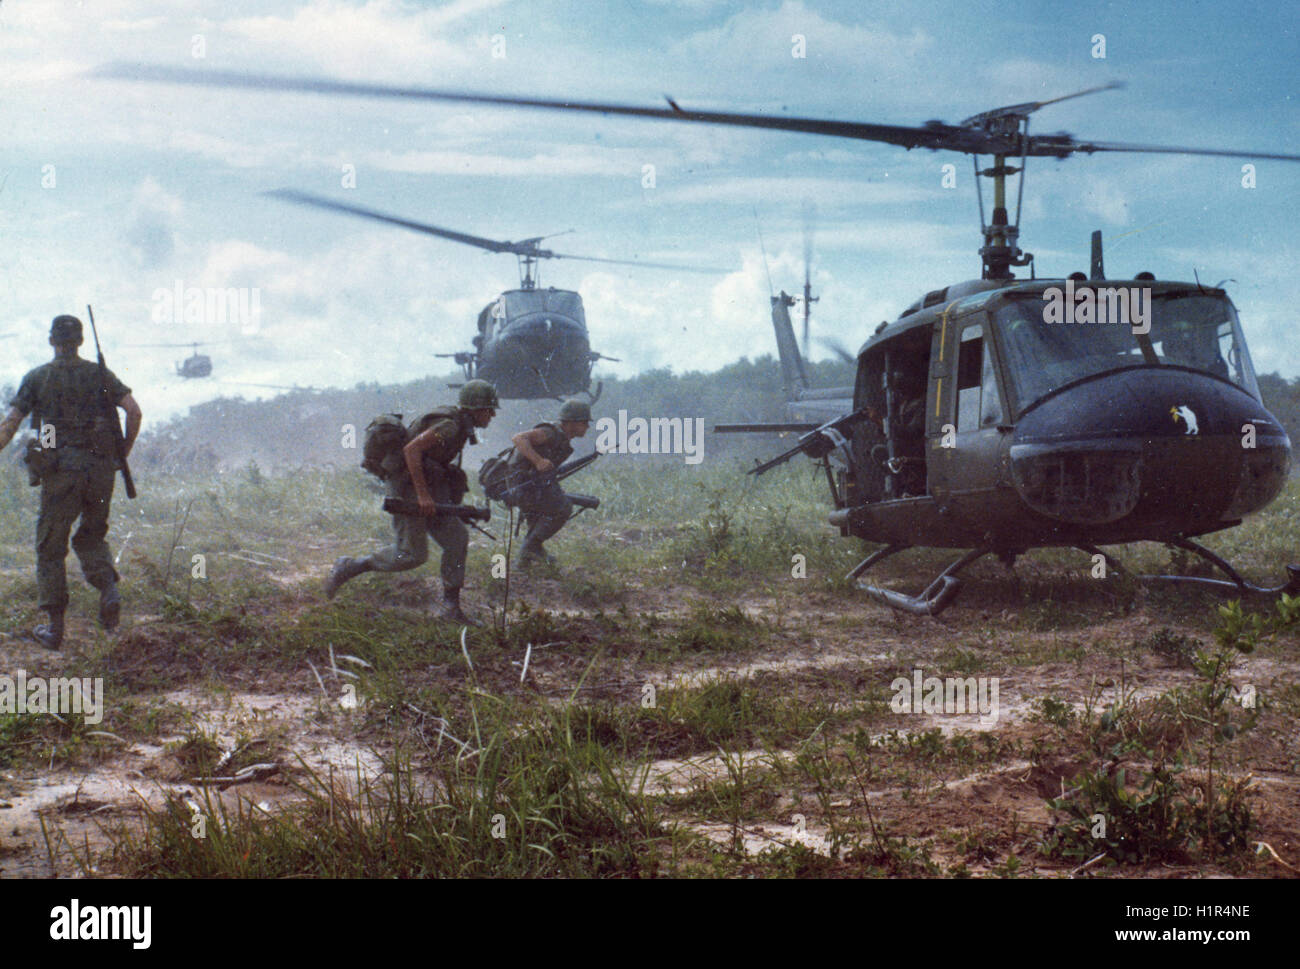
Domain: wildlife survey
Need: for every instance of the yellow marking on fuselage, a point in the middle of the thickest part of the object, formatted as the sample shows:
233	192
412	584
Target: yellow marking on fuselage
943	342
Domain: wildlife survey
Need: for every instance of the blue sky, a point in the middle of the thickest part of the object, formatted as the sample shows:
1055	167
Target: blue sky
155	184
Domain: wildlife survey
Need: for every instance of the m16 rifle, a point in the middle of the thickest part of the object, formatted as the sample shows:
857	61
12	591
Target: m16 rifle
532	480
466	513
110	411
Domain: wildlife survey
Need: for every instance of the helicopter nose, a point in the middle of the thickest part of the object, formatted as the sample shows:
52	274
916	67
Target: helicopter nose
1151	447
544	329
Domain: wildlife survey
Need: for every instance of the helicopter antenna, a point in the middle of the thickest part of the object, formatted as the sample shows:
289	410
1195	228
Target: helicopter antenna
809	215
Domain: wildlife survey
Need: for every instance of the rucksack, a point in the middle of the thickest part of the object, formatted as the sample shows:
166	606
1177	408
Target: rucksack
381	449
494	475
385	436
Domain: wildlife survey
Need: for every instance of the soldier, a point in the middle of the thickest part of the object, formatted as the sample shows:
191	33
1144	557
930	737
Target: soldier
427	476
76	465
542	500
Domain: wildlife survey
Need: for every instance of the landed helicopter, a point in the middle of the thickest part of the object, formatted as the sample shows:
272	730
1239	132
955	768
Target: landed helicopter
531	342
194	366
999	415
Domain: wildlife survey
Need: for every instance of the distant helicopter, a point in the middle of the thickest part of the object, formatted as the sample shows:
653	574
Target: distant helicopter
531	342
194	366
989	416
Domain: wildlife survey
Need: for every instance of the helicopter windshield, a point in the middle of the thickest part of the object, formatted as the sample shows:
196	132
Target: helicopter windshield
563	302
1197	331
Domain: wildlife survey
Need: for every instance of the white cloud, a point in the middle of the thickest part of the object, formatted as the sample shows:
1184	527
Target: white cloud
756	40
375	39
151	235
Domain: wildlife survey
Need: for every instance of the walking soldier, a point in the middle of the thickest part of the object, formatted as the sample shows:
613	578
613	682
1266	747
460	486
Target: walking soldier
73	404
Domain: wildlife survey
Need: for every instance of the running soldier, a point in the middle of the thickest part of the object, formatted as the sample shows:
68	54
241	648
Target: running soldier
74	460
424	475
541	498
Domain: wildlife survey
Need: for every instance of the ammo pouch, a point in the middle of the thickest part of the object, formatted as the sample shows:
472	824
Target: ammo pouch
436	474
40	461
457	485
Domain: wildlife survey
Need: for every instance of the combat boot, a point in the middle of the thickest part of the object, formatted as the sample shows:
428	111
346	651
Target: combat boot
345	568
531	555
450	609
110	606
50	635
530	560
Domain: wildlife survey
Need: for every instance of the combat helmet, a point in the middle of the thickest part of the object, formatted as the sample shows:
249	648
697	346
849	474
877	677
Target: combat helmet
575	410
66	329
477	395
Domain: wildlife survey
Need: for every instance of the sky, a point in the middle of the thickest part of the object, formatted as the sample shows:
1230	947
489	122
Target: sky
113	193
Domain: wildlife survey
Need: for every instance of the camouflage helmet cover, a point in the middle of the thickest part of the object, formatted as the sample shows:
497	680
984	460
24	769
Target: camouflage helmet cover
575	410
477	394
65	329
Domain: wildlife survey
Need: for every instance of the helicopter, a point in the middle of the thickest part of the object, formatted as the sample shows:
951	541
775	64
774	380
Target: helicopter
192	367
991	417
531	342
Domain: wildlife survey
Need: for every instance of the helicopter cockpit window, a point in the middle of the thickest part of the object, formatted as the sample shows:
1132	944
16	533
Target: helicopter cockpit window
562	302
978	403
970	358
1191	330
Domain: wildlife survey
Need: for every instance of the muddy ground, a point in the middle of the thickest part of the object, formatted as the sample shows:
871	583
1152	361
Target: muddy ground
819	758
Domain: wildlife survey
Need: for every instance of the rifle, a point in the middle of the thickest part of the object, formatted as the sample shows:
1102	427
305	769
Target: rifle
816	443
533	480
466	513
577	464
110	411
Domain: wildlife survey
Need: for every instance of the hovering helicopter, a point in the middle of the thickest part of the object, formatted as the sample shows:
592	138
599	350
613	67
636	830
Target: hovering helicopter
987	417
194	366
531	342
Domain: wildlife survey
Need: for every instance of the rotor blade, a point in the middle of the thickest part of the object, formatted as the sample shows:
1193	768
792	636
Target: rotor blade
1090	146
1029	107
935	135
837	348
637	262
249	383
320	202
178	346
908	137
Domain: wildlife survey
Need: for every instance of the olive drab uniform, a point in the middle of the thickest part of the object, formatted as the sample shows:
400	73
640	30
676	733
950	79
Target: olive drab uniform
453	429
542	501
65	401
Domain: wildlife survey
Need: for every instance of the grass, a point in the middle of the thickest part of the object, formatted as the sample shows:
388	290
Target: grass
550	775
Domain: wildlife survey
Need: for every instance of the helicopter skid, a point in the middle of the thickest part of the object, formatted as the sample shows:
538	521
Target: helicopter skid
936	597
1237	586
940	593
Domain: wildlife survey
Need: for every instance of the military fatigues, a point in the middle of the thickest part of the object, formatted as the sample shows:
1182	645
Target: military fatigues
543	503
410	547
66	394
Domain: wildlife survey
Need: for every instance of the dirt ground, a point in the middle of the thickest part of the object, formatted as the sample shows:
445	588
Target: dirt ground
947	793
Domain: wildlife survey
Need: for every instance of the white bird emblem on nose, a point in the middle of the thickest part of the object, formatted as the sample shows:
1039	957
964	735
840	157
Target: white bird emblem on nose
1184	413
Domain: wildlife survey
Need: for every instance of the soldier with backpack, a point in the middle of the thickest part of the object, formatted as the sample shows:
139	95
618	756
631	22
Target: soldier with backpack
415	464
537	454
